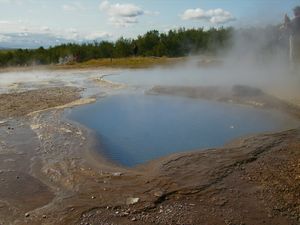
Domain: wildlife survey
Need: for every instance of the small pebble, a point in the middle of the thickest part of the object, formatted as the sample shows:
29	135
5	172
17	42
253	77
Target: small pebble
117	174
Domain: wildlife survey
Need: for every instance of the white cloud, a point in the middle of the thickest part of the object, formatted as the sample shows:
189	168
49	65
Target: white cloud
97	35
15	26
4	22
4	38
121	14
71	34
72	7
214	16
12	32
75	35
45	29
121	10
21	26
23	34
123	22
33	40
18	2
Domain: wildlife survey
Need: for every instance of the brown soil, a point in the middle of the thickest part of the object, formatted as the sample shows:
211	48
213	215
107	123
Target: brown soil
49	175
20	104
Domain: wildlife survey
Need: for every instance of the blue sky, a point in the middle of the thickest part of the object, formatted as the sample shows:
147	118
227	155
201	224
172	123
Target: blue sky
49	22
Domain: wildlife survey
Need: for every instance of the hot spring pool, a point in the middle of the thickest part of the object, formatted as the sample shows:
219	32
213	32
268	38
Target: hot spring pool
135	128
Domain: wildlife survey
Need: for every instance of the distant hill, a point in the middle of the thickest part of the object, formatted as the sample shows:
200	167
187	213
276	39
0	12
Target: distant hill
2	49
33	41
30	41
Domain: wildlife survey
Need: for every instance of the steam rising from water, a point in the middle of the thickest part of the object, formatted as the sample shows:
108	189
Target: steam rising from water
256	59
262	60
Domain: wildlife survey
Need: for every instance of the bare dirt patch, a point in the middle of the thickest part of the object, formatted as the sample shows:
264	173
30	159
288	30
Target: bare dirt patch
21	104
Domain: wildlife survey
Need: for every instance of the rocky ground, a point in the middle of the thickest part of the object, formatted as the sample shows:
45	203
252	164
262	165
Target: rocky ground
50	175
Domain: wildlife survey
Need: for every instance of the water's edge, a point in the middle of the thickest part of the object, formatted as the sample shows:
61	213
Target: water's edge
100	150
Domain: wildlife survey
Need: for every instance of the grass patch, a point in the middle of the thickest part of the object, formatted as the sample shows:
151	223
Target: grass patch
130	62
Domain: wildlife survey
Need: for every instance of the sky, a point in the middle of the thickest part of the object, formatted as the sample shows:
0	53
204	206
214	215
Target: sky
33	23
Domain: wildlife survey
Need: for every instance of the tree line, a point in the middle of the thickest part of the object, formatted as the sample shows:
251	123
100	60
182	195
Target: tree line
174	43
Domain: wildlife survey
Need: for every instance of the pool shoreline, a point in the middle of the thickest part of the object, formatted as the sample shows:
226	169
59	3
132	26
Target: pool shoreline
84	114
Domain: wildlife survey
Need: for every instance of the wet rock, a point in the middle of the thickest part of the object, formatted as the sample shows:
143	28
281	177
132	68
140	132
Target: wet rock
3	122
65	130
132	201
228	222
117	174
124	214
222	202
159	194
246	91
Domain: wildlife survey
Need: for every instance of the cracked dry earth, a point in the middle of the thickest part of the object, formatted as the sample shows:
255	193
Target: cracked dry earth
50	175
